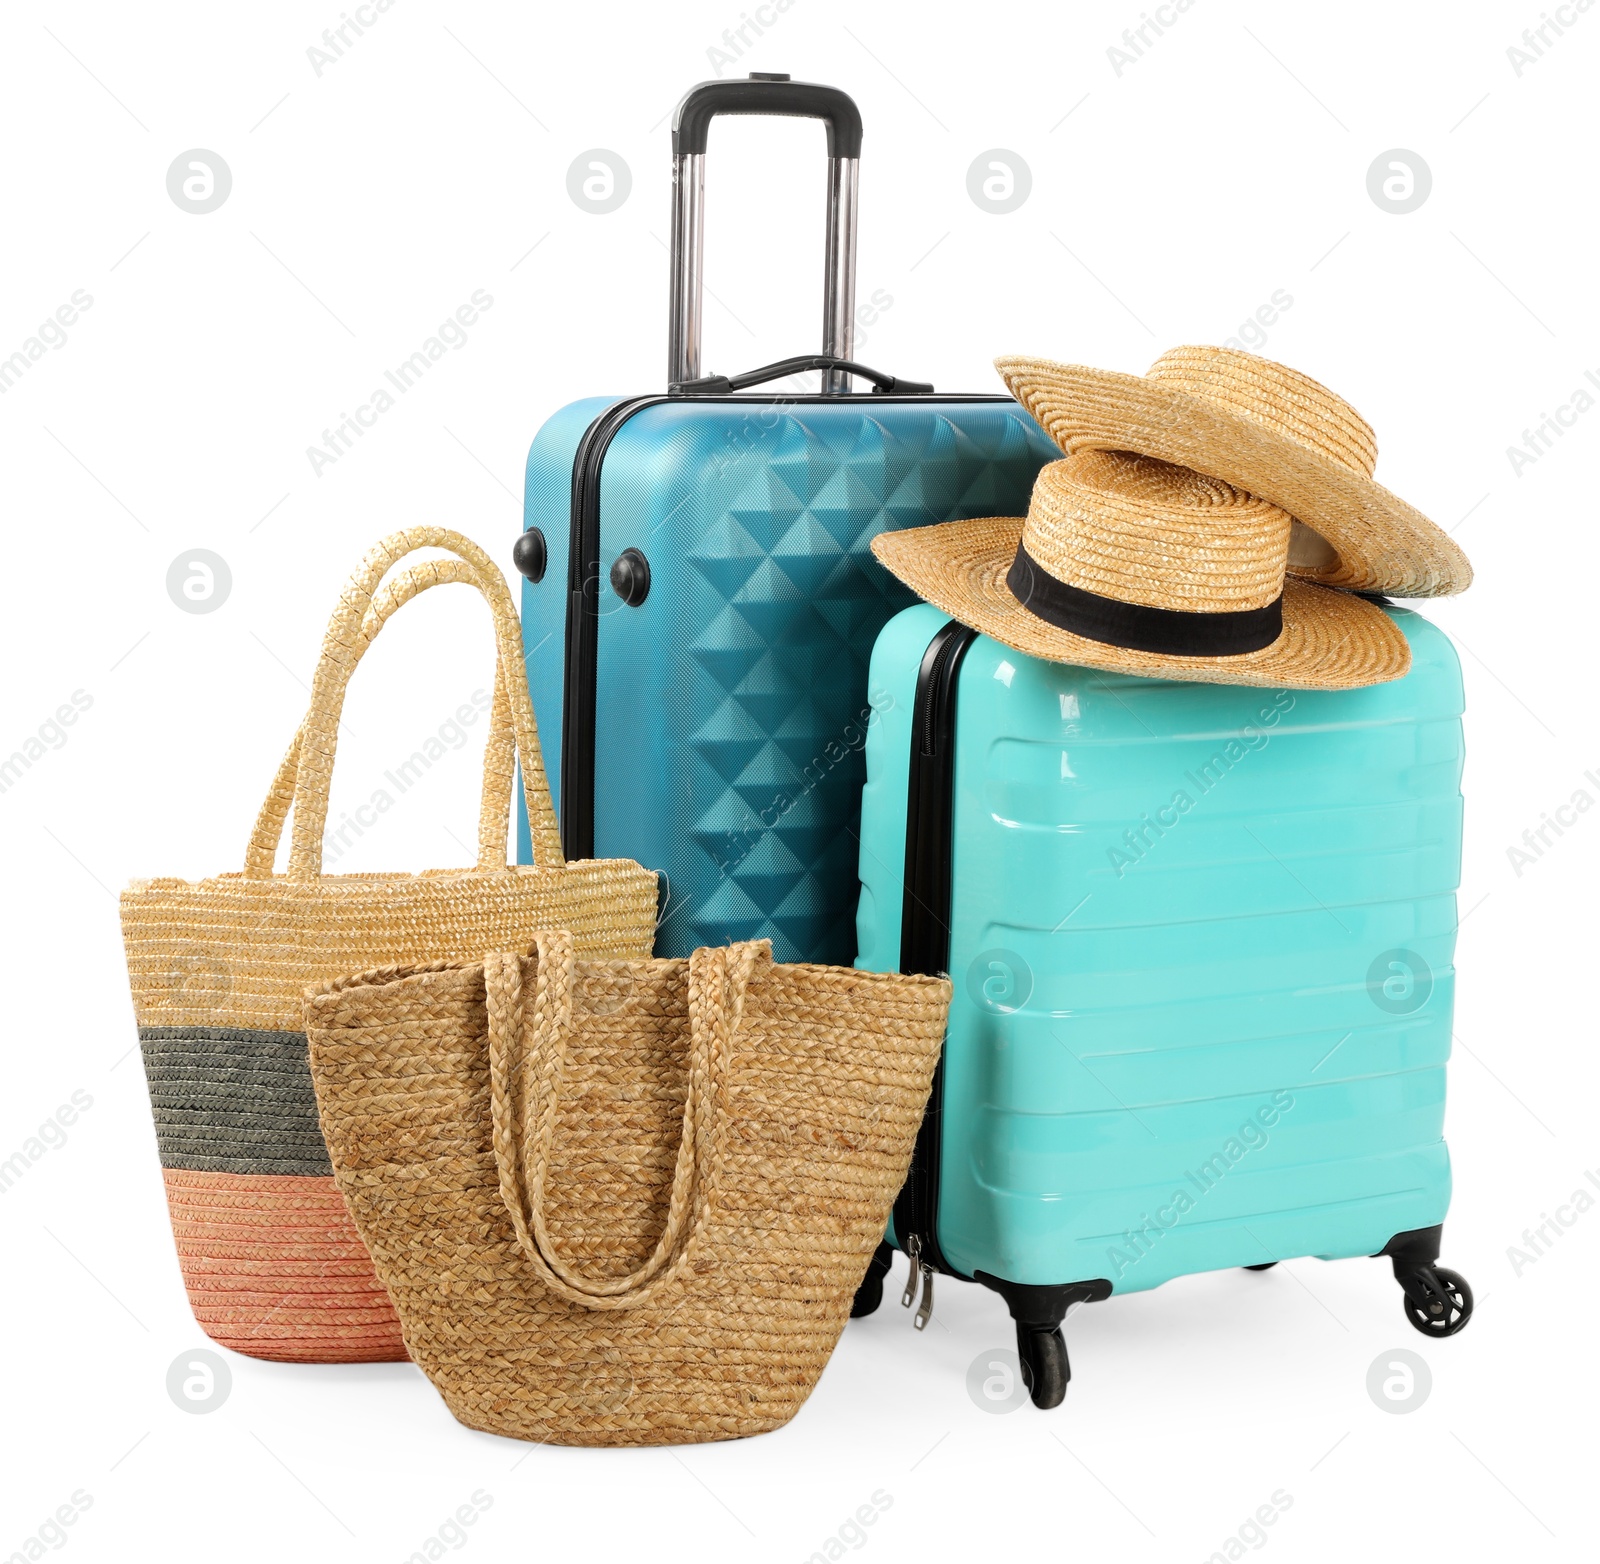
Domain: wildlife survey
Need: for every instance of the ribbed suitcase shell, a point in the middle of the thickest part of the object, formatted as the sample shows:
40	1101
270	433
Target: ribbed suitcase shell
731	705
1140	1011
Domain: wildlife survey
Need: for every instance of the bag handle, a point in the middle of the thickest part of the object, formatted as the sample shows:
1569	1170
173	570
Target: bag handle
342	648
720	385
519	1048
494	813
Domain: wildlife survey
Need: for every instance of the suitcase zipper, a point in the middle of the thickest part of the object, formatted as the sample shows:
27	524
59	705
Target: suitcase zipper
914	1255
583	590
919	1272
925	930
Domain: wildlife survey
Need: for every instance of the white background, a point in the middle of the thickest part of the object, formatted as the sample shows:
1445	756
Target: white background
1168	203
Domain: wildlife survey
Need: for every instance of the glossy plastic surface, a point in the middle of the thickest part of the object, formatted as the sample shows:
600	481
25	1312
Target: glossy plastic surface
1201	947
731	707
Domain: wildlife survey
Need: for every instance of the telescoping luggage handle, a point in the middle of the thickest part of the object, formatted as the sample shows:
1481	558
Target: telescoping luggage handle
762	94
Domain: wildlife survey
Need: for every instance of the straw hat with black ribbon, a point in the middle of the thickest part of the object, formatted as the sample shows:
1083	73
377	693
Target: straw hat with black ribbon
1268	430
1142	567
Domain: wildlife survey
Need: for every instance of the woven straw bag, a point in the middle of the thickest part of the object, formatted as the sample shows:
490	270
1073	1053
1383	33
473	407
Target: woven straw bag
270	1258
623	1202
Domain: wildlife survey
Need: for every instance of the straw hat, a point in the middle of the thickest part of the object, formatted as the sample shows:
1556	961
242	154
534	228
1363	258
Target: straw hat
1142	567
1268	430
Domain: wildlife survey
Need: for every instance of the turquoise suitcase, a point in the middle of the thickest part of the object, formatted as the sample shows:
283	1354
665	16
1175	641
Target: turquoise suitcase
1201	940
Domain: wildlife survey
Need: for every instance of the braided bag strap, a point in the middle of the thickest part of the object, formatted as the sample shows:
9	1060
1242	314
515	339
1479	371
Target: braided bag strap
527	1054
499	767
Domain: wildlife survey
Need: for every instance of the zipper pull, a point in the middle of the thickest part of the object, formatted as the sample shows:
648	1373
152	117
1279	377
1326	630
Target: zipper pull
914	1255
925	1310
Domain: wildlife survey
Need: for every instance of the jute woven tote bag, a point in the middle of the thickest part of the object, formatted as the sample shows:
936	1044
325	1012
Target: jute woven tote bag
623	1202
270	1258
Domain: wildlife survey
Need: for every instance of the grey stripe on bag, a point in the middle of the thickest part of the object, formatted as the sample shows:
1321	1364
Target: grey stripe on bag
229	1100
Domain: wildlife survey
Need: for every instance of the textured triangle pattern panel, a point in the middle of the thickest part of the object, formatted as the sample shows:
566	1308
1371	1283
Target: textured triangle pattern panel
731	707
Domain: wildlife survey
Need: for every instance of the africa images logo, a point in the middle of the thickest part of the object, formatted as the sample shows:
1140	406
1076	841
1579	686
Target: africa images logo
1250	1136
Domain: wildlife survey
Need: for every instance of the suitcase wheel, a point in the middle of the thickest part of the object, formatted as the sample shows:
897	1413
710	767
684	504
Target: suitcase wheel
870	1293
868	1296
1438	1301
1045	1370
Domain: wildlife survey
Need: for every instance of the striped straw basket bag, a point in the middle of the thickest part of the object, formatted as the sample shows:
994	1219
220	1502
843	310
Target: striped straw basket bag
271	1261
623	1202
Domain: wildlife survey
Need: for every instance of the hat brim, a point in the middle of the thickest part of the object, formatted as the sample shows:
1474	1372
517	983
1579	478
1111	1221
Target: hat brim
1383	544
1330	640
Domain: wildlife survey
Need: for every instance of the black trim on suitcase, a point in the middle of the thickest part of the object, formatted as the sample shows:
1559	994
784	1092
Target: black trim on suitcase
925	917
925	907
583	591
583	629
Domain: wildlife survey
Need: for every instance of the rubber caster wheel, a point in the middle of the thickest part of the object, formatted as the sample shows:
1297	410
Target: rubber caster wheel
868	1296
870	1293
1266	1265
1438	1301
1045	1371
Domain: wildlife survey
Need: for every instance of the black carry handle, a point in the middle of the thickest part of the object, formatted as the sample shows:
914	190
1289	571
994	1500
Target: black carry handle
767	94
715	385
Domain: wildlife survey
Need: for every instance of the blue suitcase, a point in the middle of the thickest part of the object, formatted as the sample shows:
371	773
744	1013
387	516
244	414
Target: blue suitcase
701	602
1182	1037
